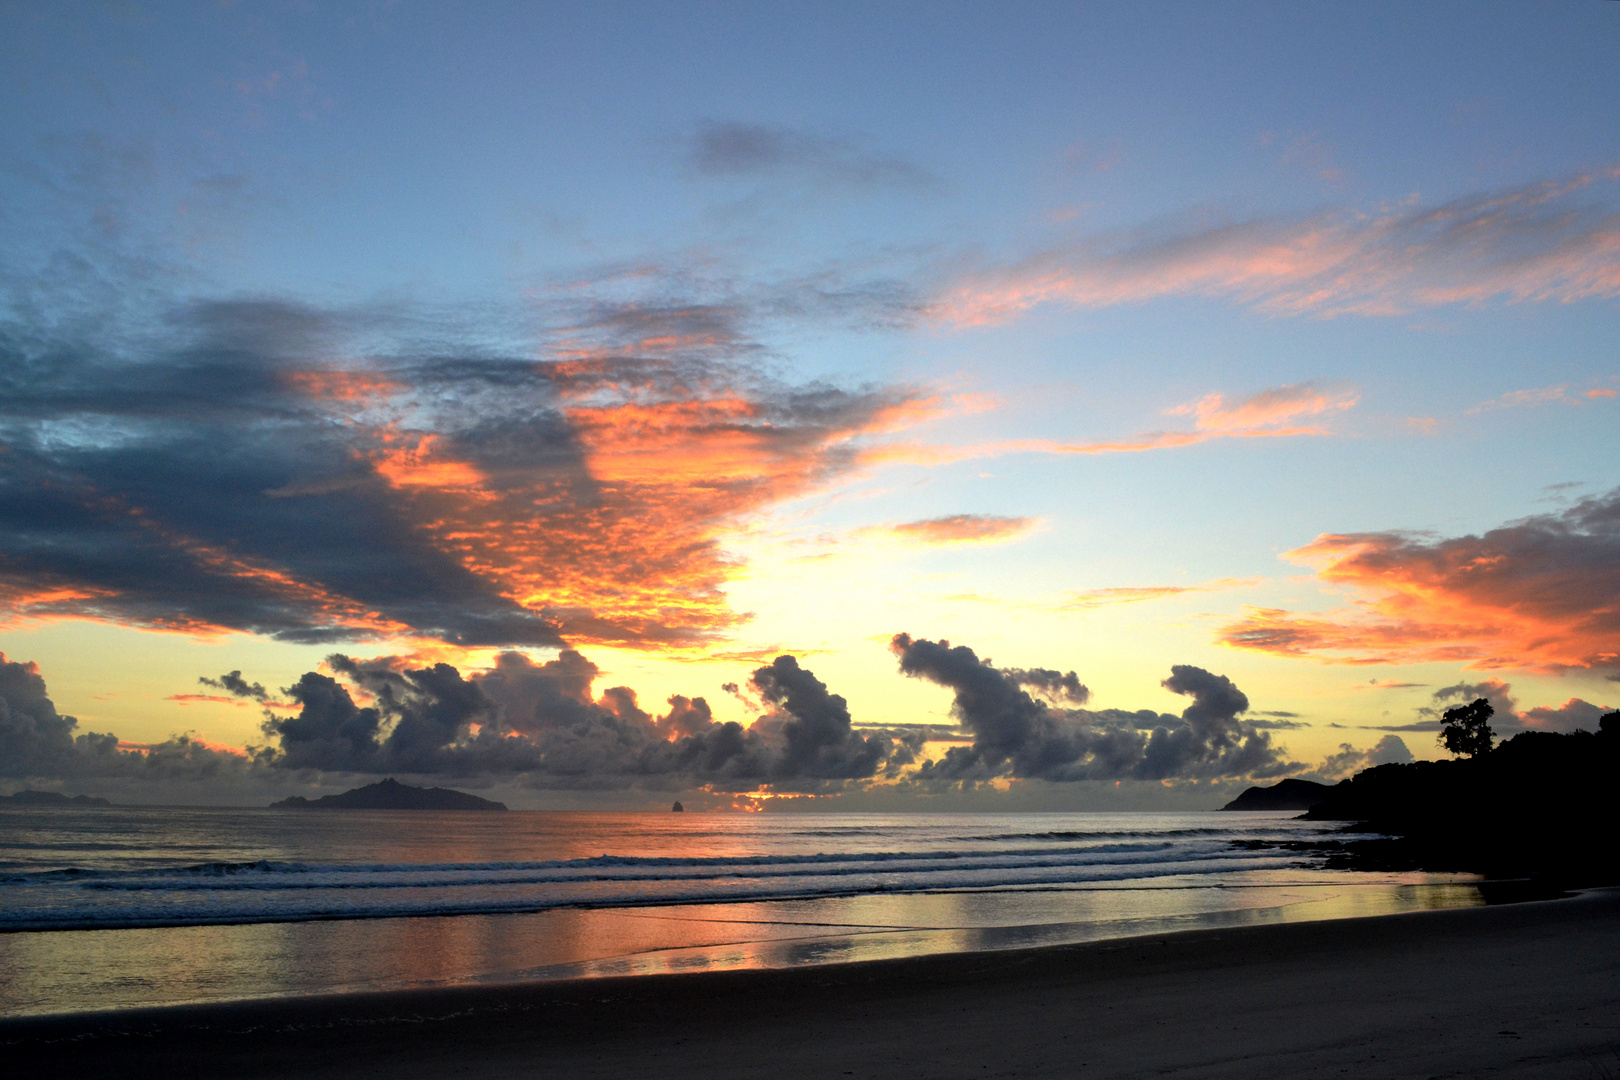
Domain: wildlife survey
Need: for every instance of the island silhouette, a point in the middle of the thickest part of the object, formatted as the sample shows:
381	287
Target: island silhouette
390	794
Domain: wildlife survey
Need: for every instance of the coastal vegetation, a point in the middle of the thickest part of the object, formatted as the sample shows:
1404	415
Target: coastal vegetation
1540	805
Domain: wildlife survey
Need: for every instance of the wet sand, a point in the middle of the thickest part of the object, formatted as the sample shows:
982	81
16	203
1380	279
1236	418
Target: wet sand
1523	990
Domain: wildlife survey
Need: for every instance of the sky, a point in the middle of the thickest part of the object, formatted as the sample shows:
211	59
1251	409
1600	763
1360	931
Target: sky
800	406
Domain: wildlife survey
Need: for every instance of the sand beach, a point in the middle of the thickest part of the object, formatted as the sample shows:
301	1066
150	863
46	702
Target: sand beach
1521	990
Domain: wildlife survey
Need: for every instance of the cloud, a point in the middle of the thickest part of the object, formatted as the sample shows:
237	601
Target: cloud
1276	720
1390	750
1276	412
1093	598
541	725
814	727
960	528
1504	705
226	473
1573	715
1542	395
37	741
1507	719
233	683
737	150
1050	684
1532	243
1272	413
1016	736
1539	594
545	724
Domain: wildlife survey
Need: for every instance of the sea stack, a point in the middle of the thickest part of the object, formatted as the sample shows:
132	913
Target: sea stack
677	808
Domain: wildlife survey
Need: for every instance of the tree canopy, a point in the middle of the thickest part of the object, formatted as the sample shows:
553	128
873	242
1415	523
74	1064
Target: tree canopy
1468	728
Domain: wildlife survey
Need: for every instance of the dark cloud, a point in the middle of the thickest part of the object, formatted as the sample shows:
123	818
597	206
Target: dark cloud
1276	720
1573	715
1053	685
37	741
1506	718
545	723
233	683
34	738
814	727
732	149
1347	761
221	471
1505	715
1014	735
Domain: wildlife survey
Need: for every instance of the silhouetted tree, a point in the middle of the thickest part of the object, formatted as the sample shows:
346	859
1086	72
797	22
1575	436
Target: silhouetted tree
1468	728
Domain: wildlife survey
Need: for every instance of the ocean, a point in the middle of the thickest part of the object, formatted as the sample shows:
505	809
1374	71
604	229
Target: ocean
127	907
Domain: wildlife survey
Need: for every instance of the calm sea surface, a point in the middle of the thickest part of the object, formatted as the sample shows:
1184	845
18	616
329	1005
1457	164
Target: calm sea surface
118	908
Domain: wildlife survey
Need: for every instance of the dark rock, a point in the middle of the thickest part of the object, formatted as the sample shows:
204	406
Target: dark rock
390	794
677	808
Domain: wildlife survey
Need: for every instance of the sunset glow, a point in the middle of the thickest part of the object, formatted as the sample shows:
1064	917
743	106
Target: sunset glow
1069	410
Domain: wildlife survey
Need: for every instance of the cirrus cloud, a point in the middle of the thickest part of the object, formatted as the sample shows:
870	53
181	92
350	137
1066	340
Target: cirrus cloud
1531	243
1289	411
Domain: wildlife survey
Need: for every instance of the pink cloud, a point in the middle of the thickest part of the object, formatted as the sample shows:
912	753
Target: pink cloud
1541	395
1530	243
960	528
1272	413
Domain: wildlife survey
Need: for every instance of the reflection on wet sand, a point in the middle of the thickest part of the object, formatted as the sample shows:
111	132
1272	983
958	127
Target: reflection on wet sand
99	969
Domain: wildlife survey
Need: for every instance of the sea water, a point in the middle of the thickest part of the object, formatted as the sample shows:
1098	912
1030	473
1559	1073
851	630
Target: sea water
125	907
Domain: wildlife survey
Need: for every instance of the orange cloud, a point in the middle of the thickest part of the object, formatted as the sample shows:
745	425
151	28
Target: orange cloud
181	741
462	499
1093	598
1541	594
962	528
624	543
1268	411
1521	245
342	385
420	465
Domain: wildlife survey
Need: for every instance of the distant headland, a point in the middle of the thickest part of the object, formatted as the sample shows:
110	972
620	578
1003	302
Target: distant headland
1538	806
50	798
1283	795
390	794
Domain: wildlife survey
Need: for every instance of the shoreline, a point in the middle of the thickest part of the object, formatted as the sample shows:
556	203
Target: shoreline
61	972
1525	989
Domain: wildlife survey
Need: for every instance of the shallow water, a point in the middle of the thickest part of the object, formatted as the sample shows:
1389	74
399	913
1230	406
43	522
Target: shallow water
181	905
